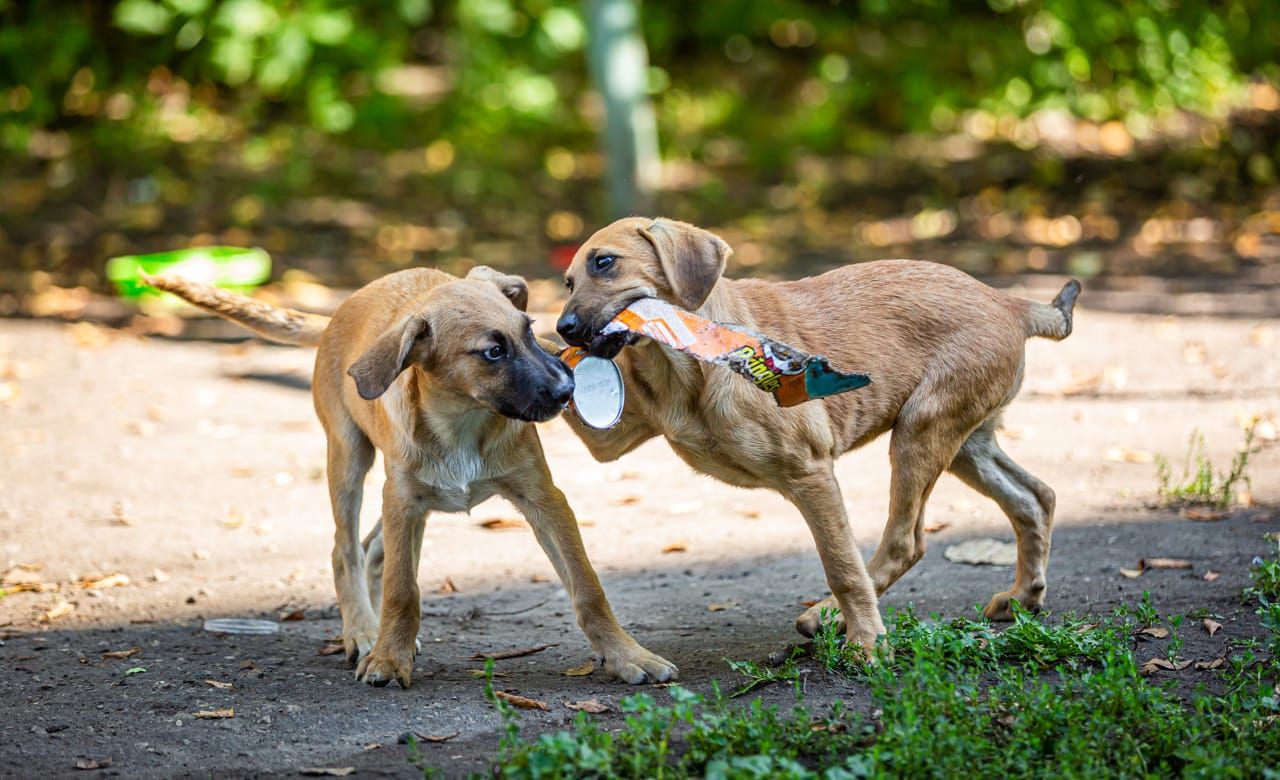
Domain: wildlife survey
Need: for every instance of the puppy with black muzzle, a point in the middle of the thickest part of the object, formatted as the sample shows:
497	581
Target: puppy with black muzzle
442	376
945	354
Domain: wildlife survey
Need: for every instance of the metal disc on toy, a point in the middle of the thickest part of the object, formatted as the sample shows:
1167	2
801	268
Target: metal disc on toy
597	393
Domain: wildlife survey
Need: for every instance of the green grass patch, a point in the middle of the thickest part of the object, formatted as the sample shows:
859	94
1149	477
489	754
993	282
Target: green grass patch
1199	483
1037	698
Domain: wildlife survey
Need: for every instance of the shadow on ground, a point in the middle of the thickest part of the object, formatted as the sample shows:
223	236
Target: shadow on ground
294	708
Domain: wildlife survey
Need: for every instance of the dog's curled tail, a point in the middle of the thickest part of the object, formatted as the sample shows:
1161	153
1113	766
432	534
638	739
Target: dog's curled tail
1053	320
271	322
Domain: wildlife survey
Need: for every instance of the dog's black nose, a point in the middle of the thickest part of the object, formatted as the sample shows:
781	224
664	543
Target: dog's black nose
572	329
562	390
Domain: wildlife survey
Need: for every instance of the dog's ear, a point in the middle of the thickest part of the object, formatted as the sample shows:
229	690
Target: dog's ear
692	258
510	285
378	367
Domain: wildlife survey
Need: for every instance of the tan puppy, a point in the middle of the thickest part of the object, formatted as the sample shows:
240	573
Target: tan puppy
945	353
443	376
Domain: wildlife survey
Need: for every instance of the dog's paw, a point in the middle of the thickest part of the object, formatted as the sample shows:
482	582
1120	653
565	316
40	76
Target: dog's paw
379	668
637	666
810	621
863	637
1001	607
358	643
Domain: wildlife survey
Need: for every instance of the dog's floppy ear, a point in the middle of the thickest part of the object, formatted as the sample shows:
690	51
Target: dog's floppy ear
692	258
379	366
510	285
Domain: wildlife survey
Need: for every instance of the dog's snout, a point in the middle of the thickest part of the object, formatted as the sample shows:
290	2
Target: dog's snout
572	329
562	390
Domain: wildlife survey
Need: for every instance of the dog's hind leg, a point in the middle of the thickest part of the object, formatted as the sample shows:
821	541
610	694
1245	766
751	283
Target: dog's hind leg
350	455
919	452
817	496
1027	502
373	558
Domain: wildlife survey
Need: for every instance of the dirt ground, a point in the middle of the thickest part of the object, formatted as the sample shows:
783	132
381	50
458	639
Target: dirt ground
195	470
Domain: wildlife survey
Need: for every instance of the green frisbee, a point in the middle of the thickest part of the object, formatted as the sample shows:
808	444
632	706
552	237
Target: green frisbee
231	268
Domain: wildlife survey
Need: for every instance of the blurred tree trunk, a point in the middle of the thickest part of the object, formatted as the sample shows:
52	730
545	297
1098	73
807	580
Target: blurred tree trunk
620	68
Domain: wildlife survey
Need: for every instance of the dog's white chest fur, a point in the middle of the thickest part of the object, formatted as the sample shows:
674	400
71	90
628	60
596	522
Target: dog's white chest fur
454	481
449	466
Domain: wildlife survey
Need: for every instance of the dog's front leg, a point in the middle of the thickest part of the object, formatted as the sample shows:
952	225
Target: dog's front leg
556	529
817	496
404	518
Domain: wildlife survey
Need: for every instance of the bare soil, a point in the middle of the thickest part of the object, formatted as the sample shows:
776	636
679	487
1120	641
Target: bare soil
195	470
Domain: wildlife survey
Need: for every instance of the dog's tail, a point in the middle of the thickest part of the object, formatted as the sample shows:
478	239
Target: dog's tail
271	322
1053	320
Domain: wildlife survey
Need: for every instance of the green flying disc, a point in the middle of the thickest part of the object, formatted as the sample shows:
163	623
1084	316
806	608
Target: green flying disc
231	268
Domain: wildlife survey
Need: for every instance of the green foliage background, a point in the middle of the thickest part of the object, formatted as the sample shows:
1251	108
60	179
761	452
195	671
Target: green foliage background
207	102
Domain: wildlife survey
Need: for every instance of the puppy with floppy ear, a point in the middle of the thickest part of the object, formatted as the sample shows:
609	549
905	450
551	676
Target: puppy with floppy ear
945	353
692	259
443	376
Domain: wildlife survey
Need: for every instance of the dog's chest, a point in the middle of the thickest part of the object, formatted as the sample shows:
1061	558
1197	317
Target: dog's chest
453	482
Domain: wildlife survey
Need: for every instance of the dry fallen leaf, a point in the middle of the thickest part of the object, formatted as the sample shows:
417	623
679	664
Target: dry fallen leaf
504	524
1210	576
478	673
539	578
93	763
1204	515
1163	563
808	602
326	771
1155	631
1132	574
122	653
86	334
1212	626
581	671
1214	664
216	714
675	547
934	526
293	615
515	653
109	581
523	702
332	648
1157	664
717	606
59	610
1081	382
225	686
447	586
980	552
404	738
592	706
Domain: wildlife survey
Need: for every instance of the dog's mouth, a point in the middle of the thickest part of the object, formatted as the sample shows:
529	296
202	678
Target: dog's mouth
534	413
608	345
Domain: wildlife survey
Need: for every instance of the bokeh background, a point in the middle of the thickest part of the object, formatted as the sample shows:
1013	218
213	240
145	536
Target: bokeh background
1112	140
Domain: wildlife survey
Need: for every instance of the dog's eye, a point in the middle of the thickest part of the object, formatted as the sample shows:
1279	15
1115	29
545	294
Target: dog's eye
603	263
495	353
